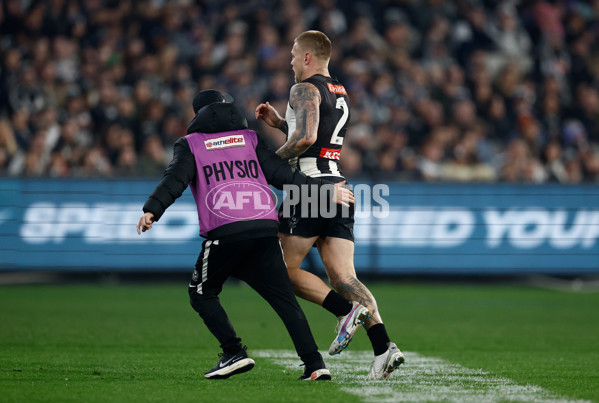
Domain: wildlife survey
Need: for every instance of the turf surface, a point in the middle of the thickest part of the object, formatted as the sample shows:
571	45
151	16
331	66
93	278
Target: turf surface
123	343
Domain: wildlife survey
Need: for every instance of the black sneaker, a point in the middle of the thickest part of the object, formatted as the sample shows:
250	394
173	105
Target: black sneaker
231	365
316	372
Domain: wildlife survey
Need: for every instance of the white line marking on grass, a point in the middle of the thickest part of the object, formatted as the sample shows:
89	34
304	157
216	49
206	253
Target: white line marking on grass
420	379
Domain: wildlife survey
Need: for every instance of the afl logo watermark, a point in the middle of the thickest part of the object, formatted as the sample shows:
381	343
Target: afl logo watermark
241	200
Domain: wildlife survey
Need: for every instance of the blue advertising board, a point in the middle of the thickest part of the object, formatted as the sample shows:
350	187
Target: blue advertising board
89	225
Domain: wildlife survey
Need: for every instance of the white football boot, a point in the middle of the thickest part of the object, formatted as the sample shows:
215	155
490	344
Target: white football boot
347	326
384	364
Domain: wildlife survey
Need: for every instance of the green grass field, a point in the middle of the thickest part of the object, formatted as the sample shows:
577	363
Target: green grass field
124	343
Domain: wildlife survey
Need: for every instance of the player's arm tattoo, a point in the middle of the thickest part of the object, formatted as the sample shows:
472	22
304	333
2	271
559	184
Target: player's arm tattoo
305	101
284	127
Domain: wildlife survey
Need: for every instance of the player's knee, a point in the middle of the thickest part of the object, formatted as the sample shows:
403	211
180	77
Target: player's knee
202	303
195	302
294	273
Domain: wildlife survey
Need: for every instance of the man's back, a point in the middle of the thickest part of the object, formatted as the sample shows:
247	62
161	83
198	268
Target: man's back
322	158
229	186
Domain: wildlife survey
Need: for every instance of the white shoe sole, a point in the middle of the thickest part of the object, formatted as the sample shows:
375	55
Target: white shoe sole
320	375
396	360
239	367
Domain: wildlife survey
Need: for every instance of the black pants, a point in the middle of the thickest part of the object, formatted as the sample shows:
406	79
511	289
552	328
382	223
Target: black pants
258	262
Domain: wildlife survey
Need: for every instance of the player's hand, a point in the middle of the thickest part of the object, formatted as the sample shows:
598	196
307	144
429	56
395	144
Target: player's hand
145	223
343	195
267	113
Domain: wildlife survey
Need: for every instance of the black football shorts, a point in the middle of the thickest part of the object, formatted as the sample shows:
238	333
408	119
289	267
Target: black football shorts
299	220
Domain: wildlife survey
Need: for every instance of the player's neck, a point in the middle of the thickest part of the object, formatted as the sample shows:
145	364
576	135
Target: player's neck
319	70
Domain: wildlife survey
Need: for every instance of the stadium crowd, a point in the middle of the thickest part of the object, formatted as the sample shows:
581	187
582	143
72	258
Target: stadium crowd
463	90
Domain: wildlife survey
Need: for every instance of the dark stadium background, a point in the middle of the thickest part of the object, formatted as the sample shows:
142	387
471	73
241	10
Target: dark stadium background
480	118
470	111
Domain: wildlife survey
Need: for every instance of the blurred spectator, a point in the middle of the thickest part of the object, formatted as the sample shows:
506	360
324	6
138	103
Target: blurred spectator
59	166
72	144
95	163
465	164
587	110
465	90
127	163
8	146
431	156
472	31
529	130
500	126
153	160
511	41
556	170
519	165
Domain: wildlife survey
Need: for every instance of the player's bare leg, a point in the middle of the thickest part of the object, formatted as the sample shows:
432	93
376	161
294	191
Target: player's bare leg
338	257
305	284
312	288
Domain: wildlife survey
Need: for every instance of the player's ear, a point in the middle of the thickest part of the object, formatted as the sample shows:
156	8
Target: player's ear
307	58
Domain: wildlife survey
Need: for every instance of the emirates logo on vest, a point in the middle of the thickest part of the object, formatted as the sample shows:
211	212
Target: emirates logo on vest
233	140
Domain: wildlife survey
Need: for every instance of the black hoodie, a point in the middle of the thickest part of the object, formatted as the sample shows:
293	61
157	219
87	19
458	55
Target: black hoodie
216	118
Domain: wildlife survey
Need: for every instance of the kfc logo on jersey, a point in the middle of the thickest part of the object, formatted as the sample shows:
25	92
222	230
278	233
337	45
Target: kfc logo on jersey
337	89
234	140
330	153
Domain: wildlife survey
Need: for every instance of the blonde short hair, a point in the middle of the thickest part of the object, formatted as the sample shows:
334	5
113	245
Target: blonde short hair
315	42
